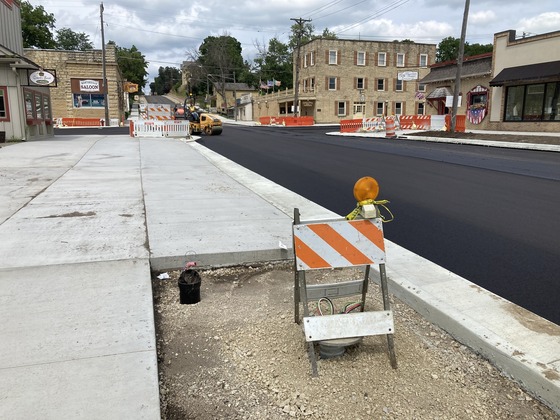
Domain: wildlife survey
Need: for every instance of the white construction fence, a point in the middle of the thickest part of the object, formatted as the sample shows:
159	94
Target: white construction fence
173	128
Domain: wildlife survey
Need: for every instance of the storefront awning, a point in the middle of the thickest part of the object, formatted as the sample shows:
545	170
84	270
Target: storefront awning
440	93
526	73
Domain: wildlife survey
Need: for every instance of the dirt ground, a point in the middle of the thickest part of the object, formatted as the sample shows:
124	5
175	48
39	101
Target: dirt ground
540	139
238	354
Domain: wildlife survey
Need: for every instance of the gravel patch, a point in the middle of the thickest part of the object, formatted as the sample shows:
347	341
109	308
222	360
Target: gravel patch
238	354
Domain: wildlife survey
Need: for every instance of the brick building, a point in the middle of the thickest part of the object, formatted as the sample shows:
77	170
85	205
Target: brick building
475	78
80	92
346	79
526	85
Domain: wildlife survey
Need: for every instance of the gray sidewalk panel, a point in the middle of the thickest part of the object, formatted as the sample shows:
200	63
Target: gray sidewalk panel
75	311
113	387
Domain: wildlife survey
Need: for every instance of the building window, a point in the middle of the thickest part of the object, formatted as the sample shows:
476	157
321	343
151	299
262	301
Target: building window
421	87
382	59
360	83
399	86
380	84
29	109
398	108
379	109
538	102
4	108
423	61
400	60
312	58
39	106
305	60
552	102
312	83
89	100
359	108
47	107
333	56
361	58
420	110
305	85
332	83
341	108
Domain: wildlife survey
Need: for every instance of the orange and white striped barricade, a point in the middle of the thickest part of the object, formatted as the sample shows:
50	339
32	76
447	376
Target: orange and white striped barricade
340	244
423	122
407	122
390	128
373	124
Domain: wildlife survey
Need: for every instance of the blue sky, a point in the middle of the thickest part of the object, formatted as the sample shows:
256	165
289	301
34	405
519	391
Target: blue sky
166	31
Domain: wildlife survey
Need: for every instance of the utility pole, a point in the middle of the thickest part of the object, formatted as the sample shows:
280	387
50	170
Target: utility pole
460	58
300	23
104	67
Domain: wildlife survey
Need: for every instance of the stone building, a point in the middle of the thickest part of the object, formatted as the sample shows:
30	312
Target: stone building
80	91
25	103
347	79
474	93
526	85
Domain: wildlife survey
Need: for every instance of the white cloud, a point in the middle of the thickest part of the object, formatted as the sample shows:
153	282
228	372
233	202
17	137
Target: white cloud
545	22
483	17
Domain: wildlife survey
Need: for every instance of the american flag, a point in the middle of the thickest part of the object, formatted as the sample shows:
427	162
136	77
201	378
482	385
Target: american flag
475	116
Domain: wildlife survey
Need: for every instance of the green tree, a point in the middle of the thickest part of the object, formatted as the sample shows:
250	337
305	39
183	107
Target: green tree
133	65
67	39
165	80
275	62
448	49
475	49
37	26
305	31
220	58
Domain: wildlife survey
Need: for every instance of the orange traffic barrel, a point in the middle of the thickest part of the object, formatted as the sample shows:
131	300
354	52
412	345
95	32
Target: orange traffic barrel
390	128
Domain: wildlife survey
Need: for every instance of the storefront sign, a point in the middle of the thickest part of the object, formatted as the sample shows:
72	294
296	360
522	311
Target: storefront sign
89	85
408	75
41	77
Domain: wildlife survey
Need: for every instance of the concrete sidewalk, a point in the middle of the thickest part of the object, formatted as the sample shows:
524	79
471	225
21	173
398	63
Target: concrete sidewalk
84	218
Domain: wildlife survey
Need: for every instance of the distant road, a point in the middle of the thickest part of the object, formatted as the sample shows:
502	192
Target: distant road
158	99
487	214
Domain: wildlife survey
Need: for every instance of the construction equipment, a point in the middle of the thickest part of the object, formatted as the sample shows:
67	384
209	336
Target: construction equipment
200	121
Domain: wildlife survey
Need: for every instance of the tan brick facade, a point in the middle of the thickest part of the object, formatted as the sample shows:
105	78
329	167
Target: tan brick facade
346	79
75	66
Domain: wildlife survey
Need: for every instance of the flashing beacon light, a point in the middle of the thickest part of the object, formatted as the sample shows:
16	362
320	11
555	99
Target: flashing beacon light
366	188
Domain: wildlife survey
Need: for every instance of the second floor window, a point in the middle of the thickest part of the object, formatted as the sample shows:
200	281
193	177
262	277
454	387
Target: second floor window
333	57
380	84
332	83
312	58
423	60
400	60
399	86
382	59
361	58
360	83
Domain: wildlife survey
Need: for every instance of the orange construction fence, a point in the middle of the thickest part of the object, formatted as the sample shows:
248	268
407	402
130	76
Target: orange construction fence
406	122
350	126
81	122
460	123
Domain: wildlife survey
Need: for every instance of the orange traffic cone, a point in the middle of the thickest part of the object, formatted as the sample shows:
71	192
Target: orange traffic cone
390	128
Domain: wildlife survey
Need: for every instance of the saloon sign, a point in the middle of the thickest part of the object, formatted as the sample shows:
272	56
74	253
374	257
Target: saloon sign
89	85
